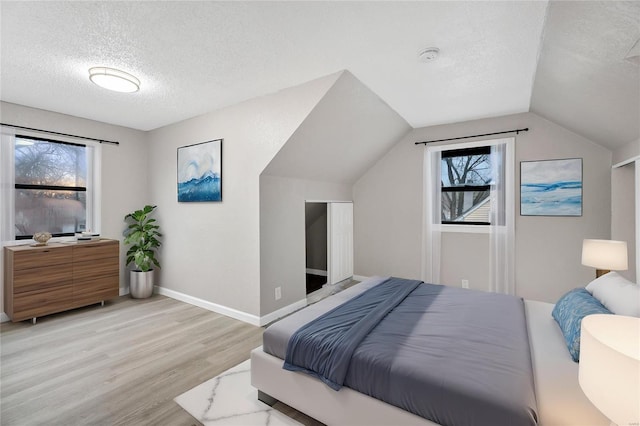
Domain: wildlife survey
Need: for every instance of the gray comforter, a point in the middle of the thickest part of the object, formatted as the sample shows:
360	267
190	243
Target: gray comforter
456	357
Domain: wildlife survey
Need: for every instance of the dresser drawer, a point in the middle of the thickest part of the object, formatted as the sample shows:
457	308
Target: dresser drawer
37	303
92	252
41	256
59	276
94	291
42	278
97	268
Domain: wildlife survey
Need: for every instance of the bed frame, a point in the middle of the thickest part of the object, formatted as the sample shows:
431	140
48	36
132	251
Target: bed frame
315	399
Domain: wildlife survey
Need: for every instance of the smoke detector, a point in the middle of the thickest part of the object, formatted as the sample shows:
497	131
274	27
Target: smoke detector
429	54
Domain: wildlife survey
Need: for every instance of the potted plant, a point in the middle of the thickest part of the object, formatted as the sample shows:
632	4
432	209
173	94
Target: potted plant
143	235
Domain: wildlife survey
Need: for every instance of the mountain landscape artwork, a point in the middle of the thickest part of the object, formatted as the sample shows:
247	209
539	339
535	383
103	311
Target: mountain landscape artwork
200	172
551	187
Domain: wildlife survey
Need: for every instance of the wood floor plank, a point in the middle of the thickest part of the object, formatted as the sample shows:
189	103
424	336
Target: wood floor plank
121	364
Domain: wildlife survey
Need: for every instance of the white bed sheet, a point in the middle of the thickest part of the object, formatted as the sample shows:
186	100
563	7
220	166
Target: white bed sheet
559	397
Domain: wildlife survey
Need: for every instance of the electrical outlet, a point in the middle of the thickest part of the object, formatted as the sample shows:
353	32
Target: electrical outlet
278	293
465	283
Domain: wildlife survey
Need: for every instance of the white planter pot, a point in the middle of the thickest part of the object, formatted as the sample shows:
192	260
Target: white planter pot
141	284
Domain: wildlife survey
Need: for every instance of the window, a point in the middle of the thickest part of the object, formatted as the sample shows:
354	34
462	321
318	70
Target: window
52	187
465	185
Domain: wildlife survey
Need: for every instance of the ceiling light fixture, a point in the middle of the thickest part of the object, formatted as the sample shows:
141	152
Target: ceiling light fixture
113	79
428	54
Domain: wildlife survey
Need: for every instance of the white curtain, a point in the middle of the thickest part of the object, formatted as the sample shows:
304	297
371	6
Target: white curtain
432	217
502	218
7	186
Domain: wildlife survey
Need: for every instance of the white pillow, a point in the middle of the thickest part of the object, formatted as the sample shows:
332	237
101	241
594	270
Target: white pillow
616	293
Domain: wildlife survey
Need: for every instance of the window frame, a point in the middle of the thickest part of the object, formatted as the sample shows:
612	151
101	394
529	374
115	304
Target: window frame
463	152
93	185
428	196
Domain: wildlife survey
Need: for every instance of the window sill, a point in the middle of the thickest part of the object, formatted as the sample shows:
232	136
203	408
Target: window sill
467	229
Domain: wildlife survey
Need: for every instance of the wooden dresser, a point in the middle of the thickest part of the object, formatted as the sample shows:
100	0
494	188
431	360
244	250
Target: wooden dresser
59	276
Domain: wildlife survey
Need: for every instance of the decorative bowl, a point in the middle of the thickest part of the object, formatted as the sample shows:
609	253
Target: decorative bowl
41	238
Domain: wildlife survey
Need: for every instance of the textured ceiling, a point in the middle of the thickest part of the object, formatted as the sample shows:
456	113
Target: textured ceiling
583	80
195	57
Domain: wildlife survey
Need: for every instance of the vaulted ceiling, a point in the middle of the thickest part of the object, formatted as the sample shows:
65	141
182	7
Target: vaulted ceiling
562	60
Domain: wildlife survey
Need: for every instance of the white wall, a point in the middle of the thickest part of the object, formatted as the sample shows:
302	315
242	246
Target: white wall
623	212
282	235
388	212
124	167
625	203
211	251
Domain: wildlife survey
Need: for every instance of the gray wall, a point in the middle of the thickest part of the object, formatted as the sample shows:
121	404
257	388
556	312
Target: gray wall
212	250
626	152
388	212
316	235
623	214
282	235
124	167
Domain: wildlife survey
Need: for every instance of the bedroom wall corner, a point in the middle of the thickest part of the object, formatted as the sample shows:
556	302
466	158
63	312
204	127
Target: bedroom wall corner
347	132
388	235
124	167
211	250
282	235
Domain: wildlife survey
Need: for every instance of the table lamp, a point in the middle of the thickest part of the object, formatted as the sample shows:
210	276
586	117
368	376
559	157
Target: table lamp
605	255
609	369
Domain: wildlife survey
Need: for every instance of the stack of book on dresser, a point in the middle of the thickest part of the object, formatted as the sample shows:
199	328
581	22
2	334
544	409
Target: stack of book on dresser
83	237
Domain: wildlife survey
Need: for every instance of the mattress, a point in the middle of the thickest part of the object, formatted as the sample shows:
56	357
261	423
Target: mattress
560	400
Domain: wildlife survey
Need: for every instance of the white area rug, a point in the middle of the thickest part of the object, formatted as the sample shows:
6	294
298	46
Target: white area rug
229	399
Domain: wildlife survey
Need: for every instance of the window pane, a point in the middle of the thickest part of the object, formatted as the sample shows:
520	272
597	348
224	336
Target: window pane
40	162
57	212
465	206
466	170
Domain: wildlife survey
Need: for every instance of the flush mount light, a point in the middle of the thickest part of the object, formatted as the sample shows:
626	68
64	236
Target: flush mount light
428	54
113	79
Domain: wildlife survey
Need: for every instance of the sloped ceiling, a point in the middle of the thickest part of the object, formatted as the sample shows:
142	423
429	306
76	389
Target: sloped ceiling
344	135
196	57
583	80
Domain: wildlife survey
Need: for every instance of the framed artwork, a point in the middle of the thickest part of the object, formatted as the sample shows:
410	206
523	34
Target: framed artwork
200	172
551	187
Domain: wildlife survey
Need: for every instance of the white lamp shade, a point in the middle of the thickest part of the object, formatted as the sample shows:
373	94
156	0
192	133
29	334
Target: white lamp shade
609	369
605	254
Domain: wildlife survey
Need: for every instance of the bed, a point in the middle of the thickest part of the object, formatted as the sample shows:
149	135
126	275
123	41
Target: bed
558	397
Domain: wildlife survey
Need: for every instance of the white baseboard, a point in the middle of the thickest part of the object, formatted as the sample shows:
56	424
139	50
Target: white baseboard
3	317
230	312
282	312
360	278
317	272
210	306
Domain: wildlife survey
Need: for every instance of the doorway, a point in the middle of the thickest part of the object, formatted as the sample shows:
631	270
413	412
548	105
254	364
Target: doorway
328	242
316	245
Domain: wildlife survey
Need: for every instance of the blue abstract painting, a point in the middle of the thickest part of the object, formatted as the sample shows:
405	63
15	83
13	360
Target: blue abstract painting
200	172
551	187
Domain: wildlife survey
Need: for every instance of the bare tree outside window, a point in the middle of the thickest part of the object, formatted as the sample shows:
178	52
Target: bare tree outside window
50	182
465	179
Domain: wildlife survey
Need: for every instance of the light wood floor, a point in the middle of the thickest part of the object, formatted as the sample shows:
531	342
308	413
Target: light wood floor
121	364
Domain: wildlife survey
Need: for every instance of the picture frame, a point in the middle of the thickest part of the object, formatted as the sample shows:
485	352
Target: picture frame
200	172
551	187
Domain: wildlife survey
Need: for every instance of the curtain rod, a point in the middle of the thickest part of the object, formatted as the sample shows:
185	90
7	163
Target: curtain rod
60	134
517	131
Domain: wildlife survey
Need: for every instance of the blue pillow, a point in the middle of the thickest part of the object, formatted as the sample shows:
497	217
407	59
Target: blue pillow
568	313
